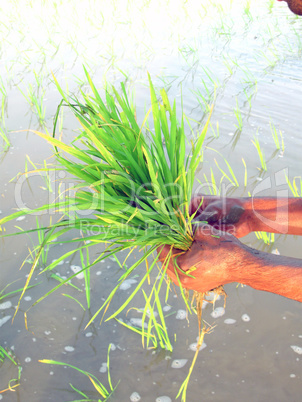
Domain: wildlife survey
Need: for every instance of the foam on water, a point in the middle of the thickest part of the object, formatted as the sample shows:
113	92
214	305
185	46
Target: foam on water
5	305
75	269
4	320
297	349
69	348
193	346
218	312
163	399
229	321
245	318
138	322
127	284
103	368
135	396
181	314
179	363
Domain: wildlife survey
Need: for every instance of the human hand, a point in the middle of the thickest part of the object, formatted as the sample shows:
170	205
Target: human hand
215	258
231	215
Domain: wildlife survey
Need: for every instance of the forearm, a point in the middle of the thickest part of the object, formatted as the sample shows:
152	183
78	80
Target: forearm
276	215
272	273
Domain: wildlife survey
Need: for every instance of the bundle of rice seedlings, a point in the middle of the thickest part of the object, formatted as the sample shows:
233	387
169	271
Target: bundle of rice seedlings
136	181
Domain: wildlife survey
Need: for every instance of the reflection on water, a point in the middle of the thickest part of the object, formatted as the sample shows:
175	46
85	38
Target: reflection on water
243	56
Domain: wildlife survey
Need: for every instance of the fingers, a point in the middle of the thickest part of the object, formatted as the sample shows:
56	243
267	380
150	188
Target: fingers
234	215
201	201
210	235
205	232
163	251
210	214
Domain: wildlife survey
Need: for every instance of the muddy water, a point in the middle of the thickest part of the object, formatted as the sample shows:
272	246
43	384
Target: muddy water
254	57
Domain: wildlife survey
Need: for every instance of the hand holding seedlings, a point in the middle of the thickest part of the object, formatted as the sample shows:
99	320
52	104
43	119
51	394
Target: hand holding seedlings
217	257
229	215
240	216
209	260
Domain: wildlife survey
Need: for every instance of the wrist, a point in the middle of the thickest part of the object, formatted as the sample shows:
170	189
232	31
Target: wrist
272	273
267	214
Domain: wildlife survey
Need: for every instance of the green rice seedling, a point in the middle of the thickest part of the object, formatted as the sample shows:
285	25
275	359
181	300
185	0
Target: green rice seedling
212	186
3	88
155	332
3	131
36	101
215	82
43	172
189	54
248	97
183	389
245	172
268	238
136	180
217	133
231	177
260	153
271	4
102	391
294	188
249	76
3	109
9	356
86	273
238	115
74	299
41	238
230	63
279	143
58	278
43	253
5	139
247	10
141	188
270	56
13	292
203	101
